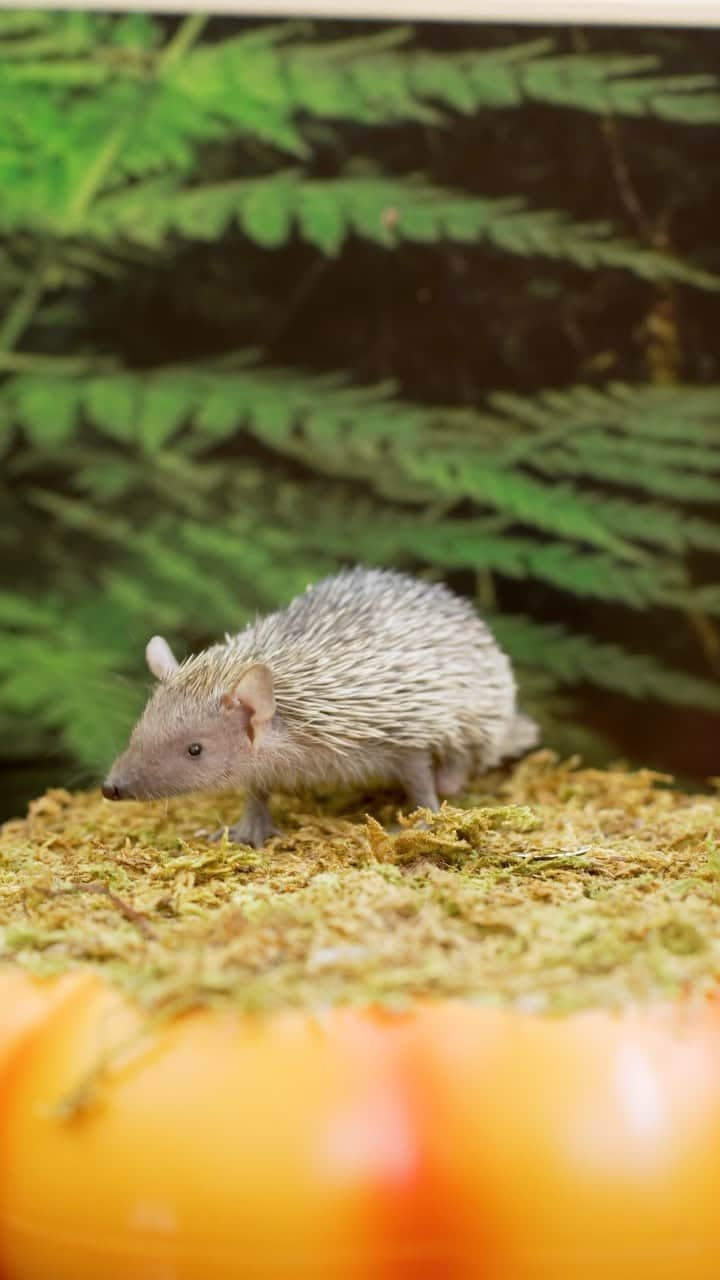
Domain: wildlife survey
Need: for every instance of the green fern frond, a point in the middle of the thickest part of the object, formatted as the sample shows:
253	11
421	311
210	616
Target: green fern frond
56	144
658	525
376	81
607	83
671	455
380	535
304	419
554	508
369	79
347	432
660	440
256	84
386	211
71	50
200	560
604	577
16	23
688	414
58	676
325	80
45	40
221	574
640	472
52	35
367	531
23	613
573	658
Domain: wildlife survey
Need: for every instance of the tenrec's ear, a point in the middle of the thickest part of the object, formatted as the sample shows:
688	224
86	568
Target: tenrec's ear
160	658
253	693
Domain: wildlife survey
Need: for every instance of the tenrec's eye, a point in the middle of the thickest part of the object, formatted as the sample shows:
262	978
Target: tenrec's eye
194	749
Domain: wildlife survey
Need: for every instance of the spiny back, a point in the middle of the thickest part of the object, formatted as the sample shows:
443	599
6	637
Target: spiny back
369	654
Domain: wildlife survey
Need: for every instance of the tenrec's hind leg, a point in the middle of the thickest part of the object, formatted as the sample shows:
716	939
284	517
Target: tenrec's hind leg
452	773
415	773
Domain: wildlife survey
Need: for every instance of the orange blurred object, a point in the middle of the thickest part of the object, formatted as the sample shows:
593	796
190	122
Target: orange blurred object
452	1142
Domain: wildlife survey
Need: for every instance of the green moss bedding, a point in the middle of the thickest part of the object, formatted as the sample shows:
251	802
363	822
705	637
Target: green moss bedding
550	887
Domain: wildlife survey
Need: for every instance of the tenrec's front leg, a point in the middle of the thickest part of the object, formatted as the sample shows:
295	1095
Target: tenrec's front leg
256	824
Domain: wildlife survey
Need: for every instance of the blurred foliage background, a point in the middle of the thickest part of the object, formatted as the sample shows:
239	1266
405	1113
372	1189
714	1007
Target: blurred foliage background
278	297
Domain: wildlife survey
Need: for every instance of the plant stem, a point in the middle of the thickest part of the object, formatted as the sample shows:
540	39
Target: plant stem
485	590
707	635
23	309
96	174
184	38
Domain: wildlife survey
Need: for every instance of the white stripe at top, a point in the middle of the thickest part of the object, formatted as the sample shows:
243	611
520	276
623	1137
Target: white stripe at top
642	13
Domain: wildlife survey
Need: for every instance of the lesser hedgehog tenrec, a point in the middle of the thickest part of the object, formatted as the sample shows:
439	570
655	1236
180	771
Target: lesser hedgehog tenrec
369	675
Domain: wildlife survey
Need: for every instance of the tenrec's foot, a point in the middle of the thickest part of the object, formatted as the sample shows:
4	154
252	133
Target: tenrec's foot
255	832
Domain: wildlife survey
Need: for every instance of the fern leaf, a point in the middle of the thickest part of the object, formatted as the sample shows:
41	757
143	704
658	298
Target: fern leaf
606	83
112	402
603	577
686	414
694	108
598	83
21	22
47	406
325	80
40	178
259	83
281	567
22	613
658	525
72	691
386	211
338	430
275	408
373	84
659	440
688	456
554	508
242	84
164	405
573	658
266	215
375	532
642	474
50	36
